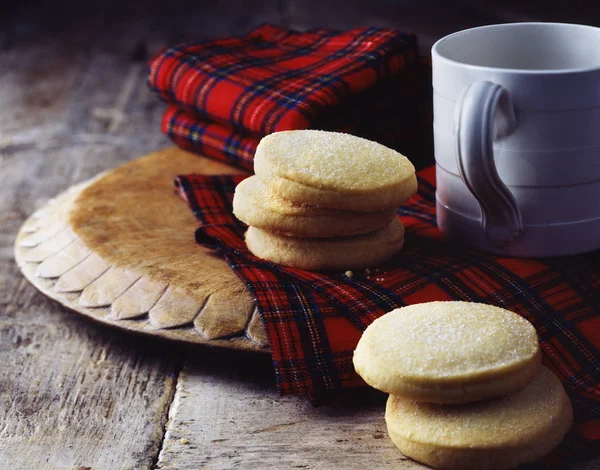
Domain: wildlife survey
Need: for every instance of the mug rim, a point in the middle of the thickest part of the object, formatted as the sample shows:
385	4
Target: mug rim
438	56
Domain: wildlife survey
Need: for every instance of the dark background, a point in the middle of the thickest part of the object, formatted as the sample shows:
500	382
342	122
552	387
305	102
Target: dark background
94	22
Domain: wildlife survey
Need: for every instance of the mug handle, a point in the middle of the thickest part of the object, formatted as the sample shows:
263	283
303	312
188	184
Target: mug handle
485	113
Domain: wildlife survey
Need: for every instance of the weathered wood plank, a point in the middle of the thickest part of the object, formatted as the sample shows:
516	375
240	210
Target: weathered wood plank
225	417
233	418
73	394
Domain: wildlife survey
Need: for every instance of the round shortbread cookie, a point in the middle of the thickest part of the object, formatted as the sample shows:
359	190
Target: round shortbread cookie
255	205
497	434
448	352
357	252
334	170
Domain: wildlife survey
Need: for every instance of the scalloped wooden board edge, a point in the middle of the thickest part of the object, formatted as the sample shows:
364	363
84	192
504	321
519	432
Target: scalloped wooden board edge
69	272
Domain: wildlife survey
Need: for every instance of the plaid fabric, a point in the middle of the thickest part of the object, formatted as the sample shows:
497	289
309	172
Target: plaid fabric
209	138
314	319
226	94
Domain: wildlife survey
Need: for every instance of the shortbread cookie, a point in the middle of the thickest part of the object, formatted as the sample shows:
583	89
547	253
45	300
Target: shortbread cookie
255	205
497	434
448	352
340	253
334	170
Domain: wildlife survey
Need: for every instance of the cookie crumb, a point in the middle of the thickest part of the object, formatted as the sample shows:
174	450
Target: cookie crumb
348	274
184	441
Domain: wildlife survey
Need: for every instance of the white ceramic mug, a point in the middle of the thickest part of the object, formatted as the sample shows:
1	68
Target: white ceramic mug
517	137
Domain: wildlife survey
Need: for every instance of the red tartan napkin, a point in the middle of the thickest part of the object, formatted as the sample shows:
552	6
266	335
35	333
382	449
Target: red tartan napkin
226	94
314	319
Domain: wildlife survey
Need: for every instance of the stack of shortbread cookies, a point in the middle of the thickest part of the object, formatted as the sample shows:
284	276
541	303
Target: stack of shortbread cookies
324	200
466	384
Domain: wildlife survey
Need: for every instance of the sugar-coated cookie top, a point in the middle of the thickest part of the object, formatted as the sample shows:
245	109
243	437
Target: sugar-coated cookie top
502	421
447	340
332	160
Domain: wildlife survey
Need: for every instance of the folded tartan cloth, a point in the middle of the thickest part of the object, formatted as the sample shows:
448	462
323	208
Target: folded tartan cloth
225	94
314	319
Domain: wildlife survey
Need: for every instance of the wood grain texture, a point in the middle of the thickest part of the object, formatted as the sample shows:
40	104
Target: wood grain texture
224	418
73	394
234	419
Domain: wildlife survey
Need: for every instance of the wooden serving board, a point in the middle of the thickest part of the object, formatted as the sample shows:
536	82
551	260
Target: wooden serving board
120	249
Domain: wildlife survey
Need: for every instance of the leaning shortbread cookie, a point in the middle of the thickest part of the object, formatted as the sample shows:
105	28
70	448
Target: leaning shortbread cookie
255	205
497	434
448	352
334	170
357	252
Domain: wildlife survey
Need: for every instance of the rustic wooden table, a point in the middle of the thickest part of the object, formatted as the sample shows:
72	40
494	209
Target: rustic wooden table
79	395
